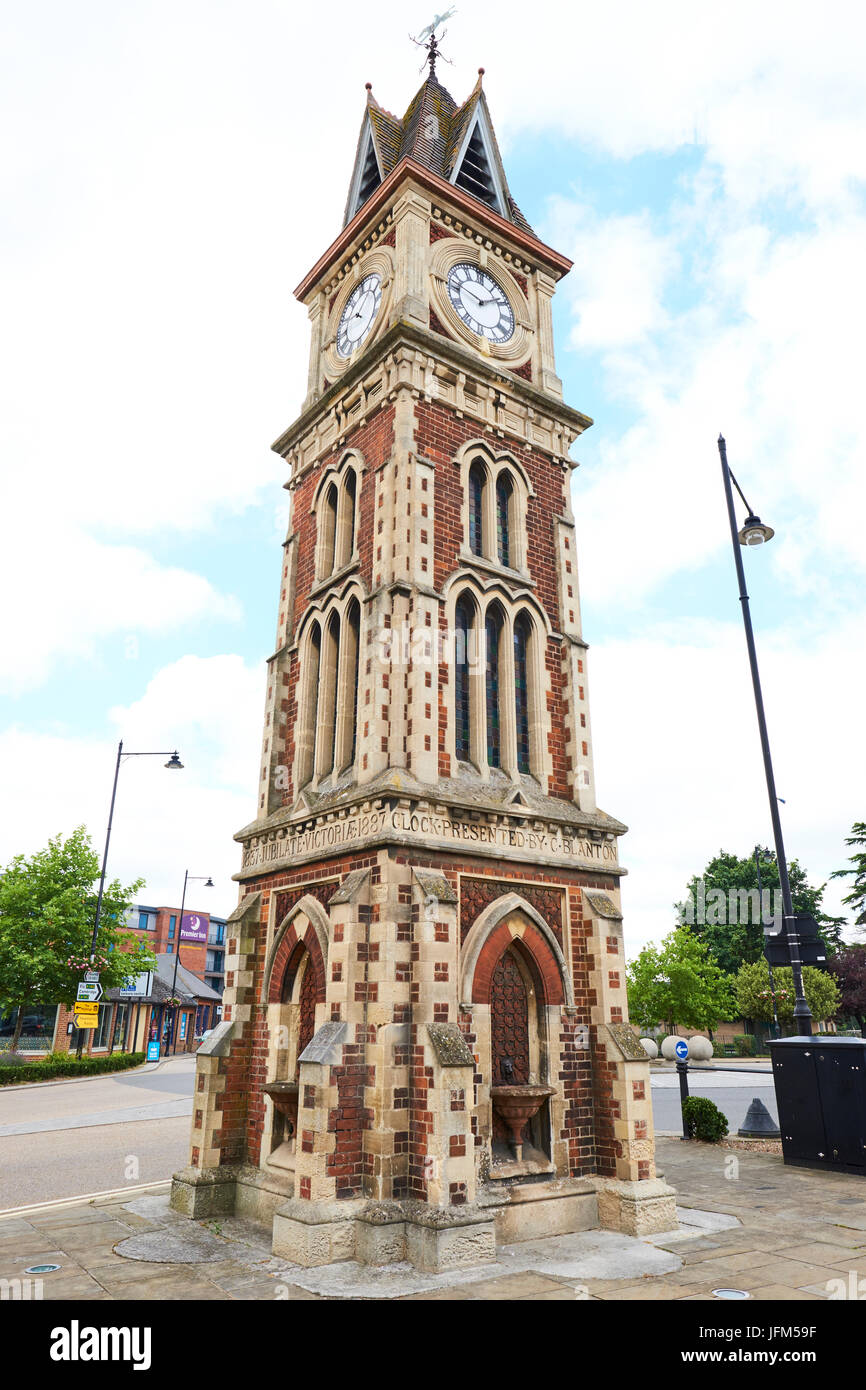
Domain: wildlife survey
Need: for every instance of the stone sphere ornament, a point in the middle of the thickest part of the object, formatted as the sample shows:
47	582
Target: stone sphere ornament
650	1047
700	1049
669	1048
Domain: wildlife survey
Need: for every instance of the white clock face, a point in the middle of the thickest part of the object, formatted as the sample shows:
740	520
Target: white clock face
357	318
480	302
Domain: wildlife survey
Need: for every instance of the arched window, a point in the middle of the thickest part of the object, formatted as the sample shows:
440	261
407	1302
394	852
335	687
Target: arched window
522	638
329	531
346	519
477	481
347	696
504	497
326	726
464	616
493	634
310	673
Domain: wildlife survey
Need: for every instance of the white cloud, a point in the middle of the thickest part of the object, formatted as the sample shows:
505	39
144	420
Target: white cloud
771	356
620	273
79	591
165	822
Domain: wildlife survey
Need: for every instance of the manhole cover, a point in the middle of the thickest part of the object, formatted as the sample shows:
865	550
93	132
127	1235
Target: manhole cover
730	1293
41	1269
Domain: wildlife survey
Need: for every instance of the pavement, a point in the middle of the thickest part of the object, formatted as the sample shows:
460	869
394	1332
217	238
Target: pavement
748	1223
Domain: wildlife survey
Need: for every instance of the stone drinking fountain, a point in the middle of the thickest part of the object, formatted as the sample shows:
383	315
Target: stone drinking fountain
517	1104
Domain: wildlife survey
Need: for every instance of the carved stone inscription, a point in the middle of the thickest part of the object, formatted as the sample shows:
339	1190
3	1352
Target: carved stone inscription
429	826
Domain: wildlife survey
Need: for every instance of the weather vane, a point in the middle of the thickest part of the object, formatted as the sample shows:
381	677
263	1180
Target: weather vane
427	39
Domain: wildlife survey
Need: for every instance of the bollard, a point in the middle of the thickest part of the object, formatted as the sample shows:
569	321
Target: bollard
683	1074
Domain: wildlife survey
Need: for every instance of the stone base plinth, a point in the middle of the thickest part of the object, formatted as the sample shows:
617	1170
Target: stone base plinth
315	1233
532	1211
636	1208
380	1233
199	1193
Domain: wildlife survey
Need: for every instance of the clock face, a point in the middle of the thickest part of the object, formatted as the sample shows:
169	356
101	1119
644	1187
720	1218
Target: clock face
357	318
480	302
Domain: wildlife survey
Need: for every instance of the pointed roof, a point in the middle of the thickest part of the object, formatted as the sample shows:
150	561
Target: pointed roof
438	134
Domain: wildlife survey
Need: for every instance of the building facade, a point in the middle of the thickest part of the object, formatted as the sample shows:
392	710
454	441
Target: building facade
202	945
425	1043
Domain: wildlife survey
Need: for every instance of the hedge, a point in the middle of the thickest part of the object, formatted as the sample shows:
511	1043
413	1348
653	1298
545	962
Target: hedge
58	1064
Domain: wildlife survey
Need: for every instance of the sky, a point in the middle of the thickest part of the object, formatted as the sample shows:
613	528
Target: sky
170	171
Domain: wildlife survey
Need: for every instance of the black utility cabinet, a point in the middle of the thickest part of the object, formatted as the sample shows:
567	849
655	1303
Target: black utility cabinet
821	1095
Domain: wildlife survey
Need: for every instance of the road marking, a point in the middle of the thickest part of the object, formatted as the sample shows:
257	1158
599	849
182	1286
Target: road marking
137	1191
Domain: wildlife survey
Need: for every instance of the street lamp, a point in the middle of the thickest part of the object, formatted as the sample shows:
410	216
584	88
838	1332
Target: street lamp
208	883
755	533
174	763
776	1027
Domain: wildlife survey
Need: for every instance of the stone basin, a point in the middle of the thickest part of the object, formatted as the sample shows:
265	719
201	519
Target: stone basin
516	1105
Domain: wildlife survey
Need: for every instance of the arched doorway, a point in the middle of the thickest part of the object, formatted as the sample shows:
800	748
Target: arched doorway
518	1048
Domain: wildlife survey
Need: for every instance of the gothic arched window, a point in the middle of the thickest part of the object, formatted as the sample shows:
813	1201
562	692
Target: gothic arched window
328	514
522	639
349	685
504	496
493	634
346	519
477	482
464	621
326	725
310	674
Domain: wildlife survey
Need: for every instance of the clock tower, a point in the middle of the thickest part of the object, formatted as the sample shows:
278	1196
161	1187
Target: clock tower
425	1045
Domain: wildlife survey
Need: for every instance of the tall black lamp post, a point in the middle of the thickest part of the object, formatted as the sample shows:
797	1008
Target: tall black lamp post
208	883
752	533
776	1029
174	764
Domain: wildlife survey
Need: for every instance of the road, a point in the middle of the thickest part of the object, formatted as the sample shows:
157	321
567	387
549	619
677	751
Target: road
69	1138
731	1091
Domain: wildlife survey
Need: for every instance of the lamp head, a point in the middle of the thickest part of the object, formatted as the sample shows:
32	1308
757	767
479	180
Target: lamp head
210	882
754	532
174	762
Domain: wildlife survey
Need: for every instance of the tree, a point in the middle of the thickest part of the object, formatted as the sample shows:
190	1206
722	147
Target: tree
849	969
754	999
856	899
723	909
47	912
679	982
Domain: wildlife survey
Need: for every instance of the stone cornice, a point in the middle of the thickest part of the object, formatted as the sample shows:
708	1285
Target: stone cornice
390	811
409	357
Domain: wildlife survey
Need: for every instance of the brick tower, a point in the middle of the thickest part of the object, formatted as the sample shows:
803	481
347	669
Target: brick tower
425	1043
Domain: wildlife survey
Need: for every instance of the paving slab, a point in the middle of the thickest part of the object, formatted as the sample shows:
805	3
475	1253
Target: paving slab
777	1232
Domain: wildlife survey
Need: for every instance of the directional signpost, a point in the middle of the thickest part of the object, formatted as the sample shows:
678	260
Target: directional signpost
90	993
86	1014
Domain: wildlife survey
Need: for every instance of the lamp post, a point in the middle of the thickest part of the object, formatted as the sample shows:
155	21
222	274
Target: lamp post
752	533
174	764
776	1027
208	883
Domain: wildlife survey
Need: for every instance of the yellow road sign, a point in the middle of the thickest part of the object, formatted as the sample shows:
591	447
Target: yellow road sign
84	1009
85	1021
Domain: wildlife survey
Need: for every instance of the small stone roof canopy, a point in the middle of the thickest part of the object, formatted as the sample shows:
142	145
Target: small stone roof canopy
456	142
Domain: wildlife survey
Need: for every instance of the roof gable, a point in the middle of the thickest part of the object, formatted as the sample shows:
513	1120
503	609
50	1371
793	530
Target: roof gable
456	142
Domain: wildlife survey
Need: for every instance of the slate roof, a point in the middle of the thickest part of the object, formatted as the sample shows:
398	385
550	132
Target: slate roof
411	137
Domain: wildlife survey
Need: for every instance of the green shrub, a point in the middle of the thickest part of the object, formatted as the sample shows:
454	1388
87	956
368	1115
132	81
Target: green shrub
718	1048
58	1064
745	1044
704	1120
